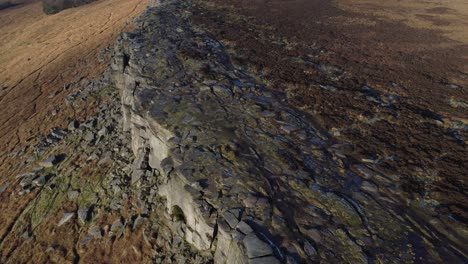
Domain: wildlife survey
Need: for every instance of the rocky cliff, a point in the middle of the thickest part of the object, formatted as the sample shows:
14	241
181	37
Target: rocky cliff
255	180
190	157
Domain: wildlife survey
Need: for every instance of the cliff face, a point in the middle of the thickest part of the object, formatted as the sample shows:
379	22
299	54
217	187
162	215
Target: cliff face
254	180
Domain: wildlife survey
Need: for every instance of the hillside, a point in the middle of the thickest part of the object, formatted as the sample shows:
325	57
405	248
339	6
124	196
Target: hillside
232	131
40	55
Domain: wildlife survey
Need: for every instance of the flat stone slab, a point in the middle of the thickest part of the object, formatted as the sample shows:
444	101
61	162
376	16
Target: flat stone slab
48	163
256	247
65	218
83	214
265	260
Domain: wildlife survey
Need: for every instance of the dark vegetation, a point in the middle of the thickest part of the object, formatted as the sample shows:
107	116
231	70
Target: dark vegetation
54	6
5	5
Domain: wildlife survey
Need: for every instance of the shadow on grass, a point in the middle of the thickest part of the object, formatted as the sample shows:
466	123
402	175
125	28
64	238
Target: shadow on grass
6	5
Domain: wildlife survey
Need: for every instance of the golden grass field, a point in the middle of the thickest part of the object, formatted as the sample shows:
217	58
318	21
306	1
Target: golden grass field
40	53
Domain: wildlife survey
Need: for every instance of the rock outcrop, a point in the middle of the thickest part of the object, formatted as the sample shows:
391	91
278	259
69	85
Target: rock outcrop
254	180
194	159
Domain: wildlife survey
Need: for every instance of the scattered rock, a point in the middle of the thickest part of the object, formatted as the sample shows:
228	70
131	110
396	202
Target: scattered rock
95	231
288	129
369	187
264	260
83	214
26	235
309	249
48	163
26	181
66	217
103	132
116	226
90	136
453	86
85	240
73	125
314	234
244	228
39	181
49	249
3	188
31	159
256	247
138	221
28	174
231	219
72	195
57	133
268	114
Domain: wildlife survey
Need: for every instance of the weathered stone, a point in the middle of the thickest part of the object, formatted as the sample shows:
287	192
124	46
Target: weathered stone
250	201
244	228
264	260
73	194
223	225
48	163
27	174
90	136
268	114
237	236
39	181
314	234
137	175
369	187
73	125
103	132
3	188
31	159
26	181
117	226
106	159
57	133
138	221
83	214
289	128
85	240
231	219
309	249
95	231
256	247
26	235
65	218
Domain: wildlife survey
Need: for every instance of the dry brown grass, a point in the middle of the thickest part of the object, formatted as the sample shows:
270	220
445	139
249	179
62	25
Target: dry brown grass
448	17
40	53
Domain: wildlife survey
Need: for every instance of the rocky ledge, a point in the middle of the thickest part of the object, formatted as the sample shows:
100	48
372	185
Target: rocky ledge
253	179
